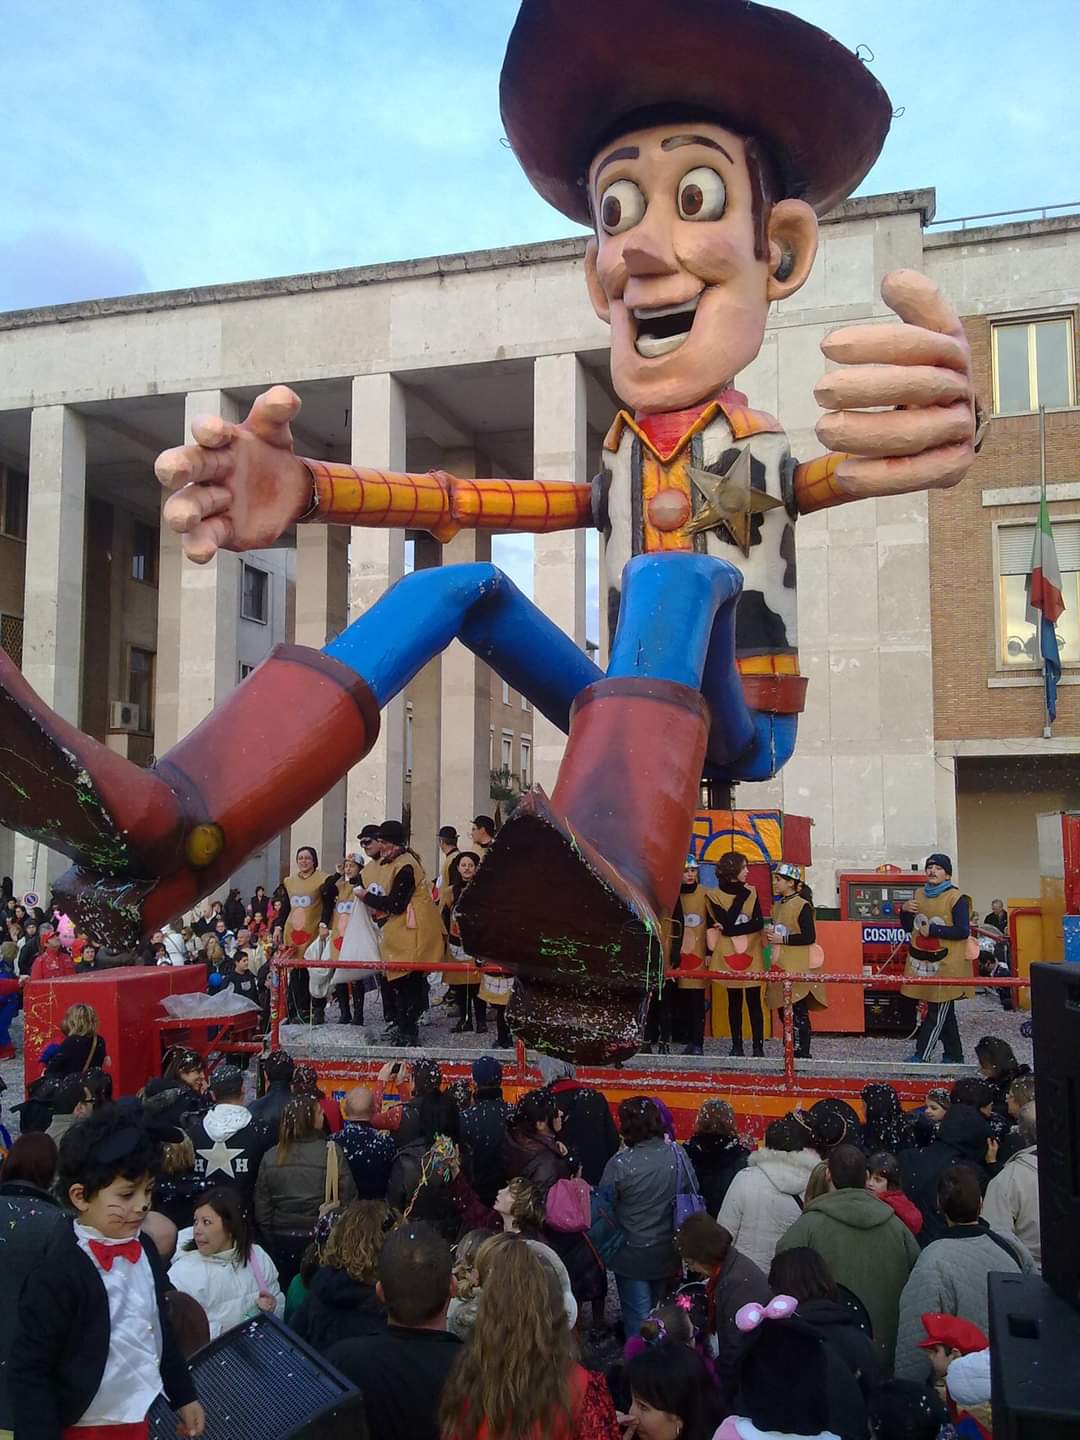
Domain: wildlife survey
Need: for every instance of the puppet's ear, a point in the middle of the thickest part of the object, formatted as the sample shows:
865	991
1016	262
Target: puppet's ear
793	240
592	282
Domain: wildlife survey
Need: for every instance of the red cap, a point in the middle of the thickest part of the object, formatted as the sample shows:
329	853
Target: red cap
954	1332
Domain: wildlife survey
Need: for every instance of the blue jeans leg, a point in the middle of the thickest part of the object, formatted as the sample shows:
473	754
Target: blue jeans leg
637	1300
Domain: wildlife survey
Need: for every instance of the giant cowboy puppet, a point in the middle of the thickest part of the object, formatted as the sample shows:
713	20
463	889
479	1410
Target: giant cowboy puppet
700	140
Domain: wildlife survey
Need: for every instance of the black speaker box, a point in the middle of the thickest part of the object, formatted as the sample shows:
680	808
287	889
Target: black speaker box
1034	1348
1055	1004
259	1381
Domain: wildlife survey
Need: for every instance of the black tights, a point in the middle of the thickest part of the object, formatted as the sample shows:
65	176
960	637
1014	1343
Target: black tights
753	1005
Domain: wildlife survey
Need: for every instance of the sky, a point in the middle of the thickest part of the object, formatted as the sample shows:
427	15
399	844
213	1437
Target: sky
151	146
154	146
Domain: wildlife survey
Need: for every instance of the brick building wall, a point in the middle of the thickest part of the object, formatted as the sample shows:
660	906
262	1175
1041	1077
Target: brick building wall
963	580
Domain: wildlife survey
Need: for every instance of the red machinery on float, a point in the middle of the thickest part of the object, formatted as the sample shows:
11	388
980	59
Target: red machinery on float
874	899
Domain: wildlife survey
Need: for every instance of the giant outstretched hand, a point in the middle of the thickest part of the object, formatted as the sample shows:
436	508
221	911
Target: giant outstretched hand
923	369
239	487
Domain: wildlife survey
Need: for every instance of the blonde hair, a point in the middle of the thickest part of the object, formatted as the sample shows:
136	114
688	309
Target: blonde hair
465	1262
79	1020
818	1184
512	1379
357	1238
177	1156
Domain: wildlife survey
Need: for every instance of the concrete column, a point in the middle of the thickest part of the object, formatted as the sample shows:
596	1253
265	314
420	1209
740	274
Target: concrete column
465	740
559	453
53	592
423	702
322	611
376	560
198	616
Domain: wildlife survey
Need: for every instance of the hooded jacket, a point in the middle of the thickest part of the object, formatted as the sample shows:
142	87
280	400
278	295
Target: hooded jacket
337	1308
903	1208
716	1159
228	1292
867	1249
1011	1204
950	1279
764	1200
229	1146
962	1136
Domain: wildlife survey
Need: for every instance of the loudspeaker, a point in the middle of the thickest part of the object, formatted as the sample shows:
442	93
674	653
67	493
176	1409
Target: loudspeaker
259	1381
1055	1003
1034	1340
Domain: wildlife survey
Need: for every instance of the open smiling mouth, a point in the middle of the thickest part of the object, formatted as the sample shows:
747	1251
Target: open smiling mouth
664	328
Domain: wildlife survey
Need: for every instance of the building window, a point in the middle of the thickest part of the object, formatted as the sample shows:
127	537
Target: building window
408	741
141	685
491	750
1033	365
1018	643
526	763
245	670
508	751
14	497
11	637
505	693
144	553
524	704
255	595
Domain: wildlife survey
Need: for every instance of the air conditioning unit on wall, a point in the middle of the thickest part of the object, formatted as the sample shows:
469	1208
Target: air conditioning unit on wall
123	715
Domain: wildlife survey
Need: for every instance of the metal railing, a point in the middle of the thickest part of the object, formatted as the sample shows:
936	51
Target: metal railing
1039	211
284	963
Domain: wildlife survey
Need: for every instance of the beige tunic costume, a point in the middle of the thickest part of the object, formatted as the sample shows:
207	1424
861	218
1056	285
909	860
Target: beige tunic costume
417	934
694	949
793	958
728	960
305	908
954	962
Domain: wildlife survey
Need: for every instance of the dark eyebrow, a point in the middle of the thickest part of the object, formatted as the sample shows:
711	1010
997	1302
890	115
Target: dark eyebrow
673	142
628	152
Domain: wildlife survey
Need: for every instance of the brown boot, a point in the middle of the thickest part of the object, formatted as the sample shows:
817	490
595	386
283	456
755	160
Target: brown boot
588	944
149	844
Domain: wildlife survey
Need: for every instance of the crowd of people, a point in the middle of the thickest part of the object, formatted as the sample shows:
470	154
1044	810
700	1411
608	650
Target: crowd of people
513	1271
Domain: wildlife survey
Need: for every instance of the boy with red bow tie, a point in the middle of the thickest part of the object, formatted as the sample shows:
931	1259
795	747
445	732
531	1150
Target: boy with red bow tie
94	1347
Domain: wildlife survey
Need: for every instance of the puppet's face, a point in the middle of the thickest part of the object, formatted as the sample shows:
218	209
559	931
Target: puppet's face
687	257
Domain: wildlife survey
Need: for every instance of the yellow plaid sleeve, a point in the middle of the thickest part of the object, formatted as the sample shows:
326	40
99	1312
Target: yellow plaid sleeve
816	485
443	504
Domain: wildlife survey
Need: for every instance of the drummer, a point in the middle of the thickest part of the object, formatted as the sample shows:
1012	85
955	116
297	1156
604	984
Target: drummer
792	939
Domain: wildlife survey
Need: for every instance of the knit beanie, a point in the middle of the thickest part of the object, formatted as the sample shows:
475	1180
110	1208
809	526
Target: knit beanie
939	859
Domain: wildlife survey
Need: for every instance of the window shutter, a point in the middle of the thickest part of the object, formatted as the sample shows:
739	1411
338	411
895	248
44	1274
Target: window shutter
1015	542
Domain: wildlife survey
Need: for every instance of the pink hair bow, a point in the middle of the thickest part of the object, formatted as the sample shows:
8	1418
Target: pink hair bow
780	1307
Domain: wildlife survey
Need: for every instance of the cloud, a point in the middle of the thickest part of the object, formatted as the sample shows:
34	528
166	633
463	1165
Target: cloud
50	267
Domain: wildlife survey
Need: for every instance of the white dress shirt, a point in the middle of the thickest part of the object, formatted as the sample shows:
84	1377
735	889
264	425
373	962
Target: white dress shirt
132	1379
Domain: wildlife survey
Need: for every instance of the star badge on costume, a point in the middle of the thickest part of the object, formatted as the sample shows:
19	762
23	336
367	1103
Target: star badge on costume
731	501
220	1157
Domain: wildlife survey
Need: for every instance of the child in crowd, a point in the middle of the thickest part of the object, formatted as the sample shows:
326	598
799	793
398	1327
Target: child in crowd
938	1103
949	1338
94	1345
883	1178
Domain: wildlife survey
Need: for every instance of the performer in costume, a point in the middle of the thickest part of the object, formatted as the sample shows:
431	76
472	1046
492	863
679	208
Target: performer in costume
448	849
693	956
461	871
699	139
938	919
346	982
410	928
734	914
321	949
792	939
305	888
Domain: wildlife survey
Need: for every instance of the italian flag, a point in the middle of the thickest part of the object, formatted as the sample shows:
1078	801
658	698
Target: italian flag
1045	603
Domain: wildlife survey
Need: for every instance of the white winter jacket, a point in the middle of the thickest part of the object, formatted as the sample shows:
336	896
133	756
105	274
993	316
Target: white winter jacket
1011	1203
227	1292
761	1202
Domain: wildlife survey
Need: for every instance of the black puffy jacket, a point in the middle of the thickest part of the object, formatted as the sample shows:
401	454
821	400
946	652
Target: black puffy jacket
338	1308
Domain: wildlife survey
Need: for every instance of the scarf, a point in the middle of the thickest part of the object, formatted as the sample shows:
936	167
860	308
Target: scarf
933	891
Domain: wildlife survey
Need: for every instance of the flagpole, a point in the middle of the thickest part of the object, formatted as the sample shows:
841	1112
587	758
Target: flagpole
1047	722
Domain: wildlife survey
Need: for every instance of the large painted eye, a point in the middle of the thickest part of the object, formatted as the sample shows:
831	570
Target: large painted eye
621	207
702	195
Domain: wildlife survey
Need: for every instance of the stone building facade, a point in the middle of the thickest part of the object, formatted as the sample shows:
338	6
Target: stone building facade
492	363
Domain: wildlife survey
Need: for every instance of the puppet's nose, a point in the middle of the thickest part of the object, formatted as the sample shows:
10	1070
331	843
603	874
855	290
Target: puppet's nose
649	251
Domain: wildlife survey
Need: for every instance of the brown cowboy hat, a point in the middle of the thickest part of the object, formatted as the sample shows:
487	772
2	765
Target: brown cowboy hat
575	70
